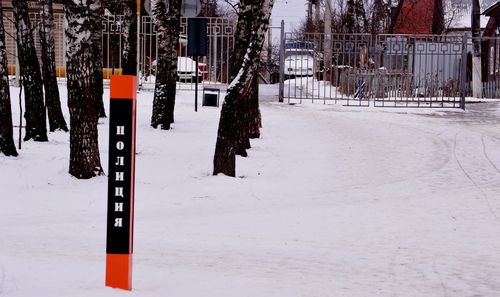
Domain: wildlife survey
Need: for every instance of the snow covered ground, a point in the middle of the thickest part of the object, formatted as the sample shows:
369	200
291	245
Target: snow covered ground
332	201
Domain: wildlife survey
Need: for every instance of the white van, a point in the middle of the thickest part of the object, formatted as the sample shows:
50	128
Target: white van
299	62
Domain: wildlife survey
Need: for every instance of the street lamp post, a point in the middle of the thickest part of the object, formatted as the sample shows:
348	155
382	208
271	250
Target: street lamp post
477	87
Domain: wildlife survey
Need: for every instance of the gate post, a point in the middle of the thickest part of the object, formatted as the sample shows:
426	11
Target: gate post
282	62
463	73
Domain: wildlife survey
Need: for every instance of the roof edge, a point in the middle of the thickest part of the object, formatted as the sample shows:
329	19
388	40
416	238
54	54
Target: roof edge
488	10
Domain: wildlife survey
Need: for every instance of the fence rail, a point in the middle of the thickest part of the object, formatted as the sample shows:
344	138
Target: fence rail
382	70
214	68
351	69
491	89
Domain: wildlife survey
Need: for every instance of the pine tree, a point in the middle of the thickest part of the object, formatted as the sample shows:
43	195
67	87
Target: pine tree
7	146
83	25
167	22
56	118
35	115
229	132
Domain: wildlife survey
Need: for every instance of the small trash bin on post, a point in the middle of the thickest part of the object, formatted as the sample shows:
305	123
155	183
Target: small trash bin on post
211	97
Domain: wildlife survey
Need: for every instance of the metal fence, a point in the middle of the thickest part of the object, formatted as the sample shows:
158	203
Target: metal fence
381	70
491	89
214	67
490	48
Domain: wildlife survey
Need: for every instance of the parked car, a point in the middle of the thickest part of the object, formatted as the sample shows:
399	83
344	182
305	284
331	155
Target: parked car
186	69
299	62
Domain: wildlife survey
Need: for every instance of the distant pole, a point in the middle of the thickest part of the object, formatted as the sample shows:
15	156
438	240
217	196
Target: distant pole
309	10
477	84
138	42
463	73
282	62
476	27
20	110
196	85
18	69
197	37
328	38
309	16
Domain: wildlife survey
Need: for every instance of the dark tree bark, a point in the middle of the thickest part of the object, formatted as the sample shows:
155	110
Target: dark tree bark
255	117
244	29
128	39
35	115
438	18
361	17
7	146
350	23
167	27
83	25
52	100
356	21
379	17
129	61
248	105
476	28
228	134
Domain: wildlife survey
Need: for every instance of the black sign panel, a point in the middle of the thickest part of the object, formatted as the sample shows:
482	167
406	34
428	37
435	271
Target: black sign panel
197	37
121	176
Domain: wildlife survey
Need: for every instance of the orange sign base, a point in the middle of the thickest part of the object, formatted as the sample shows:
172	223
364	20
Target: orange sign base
119	271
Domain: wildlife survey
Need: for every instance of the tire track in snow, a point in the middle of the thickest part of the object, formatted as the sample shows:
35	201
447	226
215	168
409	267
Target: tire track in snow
443	286
469	177
393	272
487	156
2	280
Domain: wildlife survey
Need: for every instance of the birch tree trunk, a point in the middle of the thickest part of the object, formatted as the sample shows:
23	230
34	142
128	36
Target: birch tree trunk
52	100
96	19
35	115
248	105
244	29
83	25
228	133
167	22
7	146
129	62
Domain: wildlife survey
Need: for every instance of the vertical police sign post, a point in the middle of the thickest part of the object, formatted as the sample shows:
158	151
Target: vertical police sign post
121	179
197	46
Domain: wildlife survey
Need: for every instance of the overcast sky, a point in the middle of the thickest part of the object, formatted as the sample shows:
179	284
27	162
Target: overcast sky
292	11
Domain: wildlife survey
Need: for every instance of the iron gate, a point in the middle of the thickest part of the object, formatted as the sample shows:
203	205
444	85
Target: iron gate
380	71
214	68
